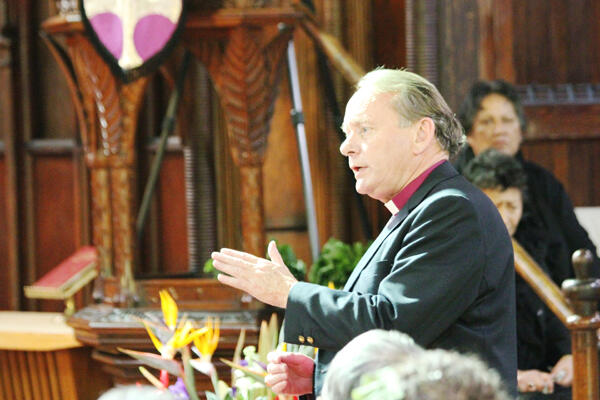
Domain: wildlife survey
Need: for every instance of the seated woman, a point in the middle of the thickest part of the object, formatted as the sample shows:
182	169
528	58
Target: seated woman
493	117
543	341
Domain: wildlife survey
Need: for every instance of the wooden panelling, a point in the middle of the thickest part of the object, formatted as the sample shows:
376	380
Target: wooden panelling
563	122
172	215
556	41
573	162
388	22
284	198
458	52
10	236
5	281
54	213
51	86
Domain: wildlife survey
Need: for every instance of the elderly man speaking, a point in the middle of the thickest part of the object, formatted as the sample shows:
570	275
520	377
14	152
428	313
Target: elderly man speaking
441	270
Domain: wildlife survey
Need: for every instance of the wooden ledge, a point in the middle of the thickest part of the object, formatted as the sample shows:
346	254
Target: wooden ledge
35	331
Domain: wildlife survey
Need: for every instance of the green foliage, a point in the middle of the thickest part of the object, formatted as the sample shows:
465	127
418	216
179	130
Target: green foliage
336	262
296	267
209	269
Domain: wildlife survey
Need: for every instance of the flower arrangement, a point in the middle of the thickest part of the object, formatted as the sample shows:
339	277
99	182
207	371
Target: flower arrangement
172	338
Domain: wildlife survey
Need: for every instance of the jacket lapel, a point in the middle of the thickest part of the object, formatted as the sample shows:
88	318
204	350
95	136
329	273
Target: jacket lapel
366	258
443	172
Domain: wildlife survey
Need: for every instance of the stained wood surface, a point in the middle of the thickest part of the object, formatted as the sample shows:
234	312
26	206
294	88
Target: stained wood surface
35	331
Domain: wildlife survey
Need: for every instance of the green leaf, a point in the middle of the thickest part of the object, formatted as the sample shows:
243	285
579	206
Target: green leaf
211	396
155	361
257	376
296	267
336	262
209	269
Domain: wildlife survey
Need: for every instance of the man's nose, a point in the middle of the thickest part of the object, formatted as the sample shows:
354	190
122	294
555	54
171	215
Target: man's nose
347	147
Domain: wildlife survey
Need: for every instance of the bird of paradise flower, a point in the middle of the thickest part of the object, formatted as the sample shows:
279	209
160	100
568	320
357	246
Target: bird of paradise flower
170	339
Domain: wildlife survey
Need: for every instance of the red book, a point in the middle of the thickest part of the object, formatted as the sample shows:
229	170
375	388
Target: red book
67	277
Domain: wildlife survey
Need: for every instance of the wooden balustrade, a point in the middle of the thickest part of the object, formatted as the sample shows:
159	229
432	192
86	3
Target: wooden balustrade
576	307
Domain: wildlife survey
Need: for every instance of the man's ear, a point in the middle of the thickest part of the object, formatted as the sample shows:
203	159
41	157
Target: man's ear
424	135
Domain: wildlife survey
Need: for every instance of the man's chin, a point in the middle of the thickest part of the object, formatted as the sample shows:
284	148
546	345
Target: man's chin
360	189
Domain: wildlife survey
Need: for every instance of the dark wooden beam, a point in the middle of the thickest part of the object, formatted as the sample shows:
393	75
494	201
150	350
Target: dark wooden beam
11	300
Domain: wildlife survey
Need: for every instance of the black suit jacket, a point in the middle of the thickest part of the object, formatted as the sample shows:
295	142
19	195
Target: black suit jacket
441	271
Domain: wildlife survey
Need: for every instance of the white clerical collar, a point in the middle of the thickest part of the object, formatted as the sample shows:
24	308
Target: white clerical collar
391	206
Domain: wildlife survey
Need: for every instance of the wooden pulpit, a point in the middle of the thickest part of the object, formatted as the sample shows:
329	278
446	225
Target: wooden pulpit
40	359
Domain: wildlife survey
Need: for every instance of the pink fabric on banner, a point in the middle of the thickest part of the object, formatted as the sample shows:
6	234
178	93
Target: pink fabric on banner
151	33
109	29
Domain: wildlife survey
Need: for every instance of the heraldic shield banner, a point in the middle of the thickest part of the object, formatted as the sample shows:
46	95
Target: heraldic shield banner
133	36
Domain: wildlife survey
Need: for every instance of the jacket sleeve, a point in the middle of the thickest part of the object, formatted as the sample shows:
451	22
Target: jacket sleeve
426	273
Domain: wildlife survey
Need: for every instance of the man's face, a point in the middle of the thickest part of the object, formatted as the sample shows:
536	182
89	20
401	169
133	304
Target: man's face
510	205
496	125
377	145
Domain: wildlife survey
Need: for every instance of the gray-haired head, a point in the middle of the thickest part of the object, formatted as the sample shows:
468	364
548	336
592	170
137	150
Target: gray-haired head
134	392
414	97
433	375
365	353
492	169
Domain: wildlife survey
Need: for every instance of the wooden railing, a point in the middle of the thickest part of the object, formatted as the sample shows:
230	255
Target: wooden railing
576	307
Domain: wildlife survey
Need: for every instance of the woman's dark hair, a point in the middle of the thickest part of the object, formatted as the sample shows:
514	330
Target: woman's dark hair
472	103
492	169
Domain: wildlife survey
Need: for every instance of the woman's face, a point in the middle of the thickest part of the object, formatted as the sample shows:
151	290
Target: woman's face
496	125
510	205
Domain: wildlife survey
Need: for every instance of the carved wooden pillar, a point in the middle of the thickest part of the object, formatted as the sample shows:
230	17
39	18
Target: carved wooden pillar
243	51
107	112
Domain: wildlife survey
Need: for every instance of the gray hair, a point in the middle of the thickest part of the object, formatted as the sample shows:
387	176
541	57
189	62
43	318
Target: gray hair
433	375
414	97
134	392
365	353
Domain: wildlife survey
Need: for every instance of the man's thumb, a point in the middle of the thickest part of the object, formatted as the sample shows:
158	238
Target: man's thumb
274	253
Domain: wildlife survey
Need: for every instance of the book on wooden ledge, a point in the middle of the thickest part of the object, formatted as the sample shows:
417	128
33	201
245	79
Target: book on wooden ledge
64	280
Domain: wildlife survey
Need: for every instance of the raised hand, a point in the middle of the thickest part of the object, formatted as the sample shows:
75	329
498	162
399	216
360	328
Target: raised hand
269	281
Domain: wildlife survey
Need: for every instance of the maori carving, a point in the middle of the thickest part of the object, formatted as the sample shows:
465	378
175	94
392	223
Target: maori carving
246	77
245	97
107	111
253	234
101	216
244	59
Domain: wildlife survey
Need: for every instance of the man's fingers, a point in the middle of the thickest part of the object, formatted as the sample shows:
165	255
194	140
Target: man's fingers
231	281
296	359
231	260
240	254
279	387
274	253
277	368
274	356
